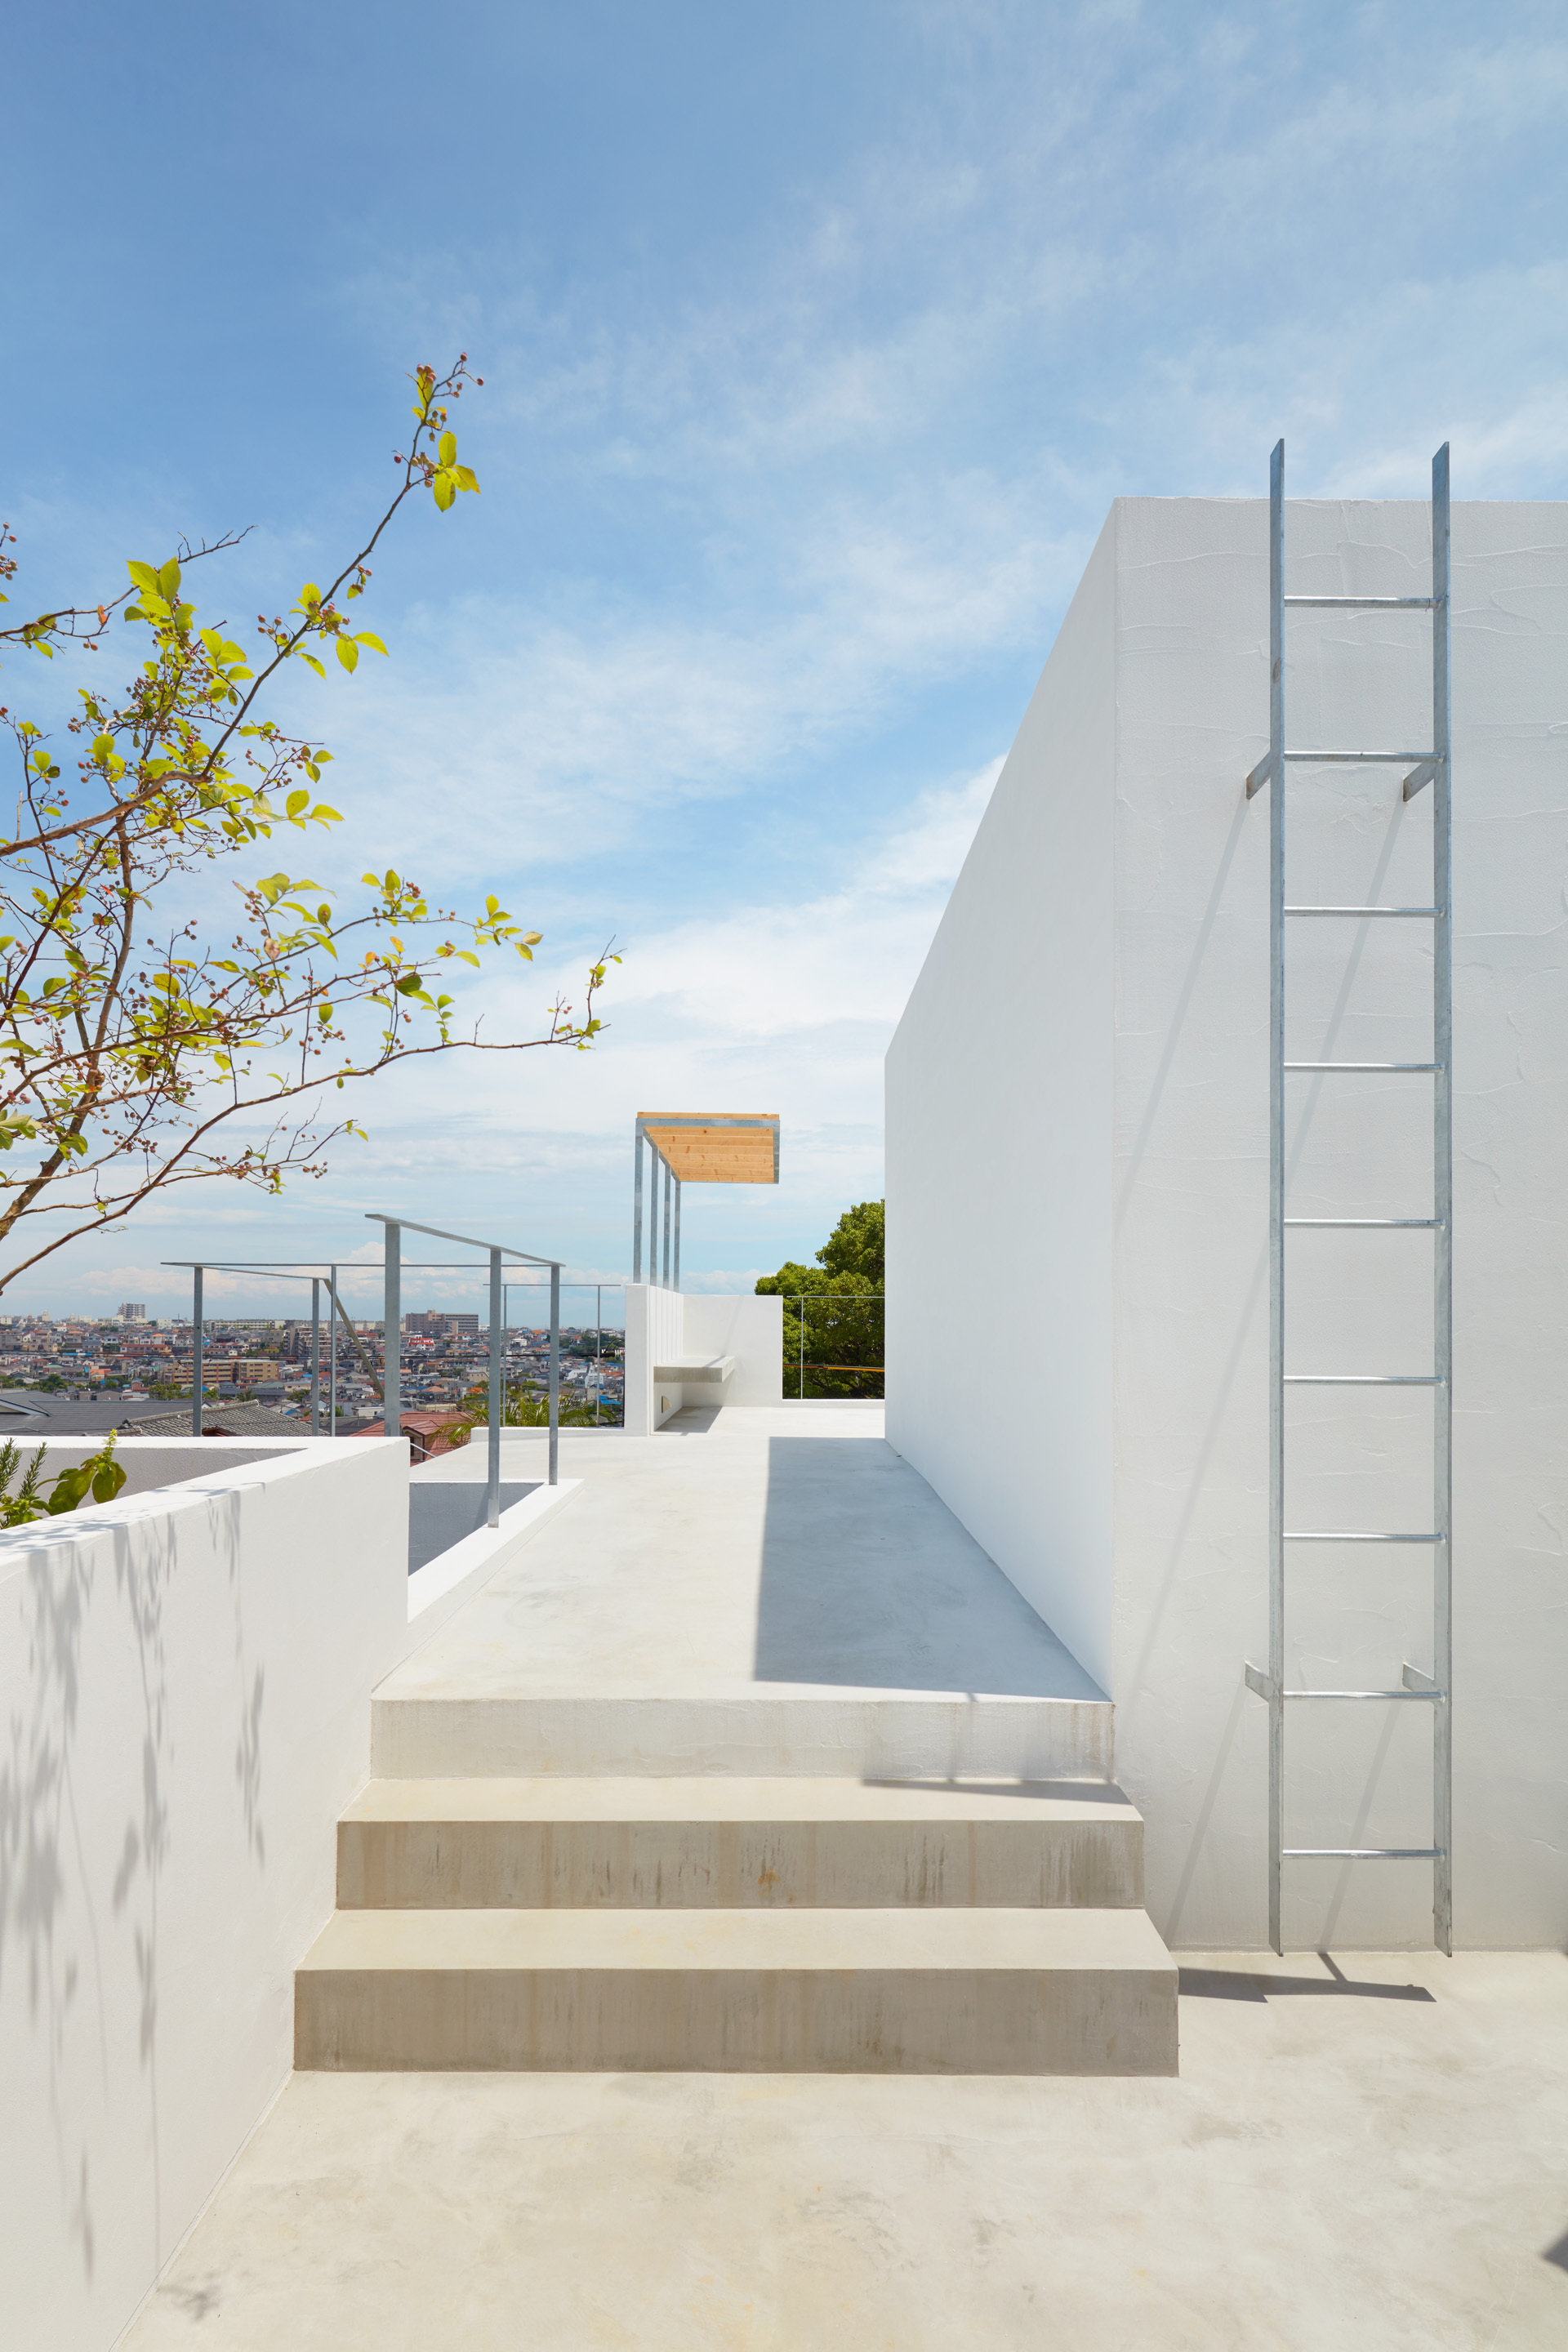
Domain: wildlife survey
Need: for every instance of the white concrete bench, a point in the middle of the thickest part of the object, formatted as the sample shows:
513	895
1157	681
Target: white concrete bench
693	1371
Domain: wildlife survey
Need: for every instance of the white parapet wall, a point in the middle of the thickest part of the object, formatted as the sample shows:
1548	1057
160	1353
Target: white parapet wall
185	1688
663	1326
1078	1156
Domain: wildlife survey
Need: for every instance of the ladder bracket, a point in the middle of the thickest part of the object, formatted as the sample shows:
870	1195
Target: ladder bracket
1260	1682
1418	778
1422	1684
1258	776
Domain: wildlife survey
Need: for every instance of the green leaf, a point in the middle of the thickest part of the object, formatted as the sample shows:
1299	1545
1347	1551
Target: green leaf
446	448
323	916
322	814
348	653
295	802
169	580
410	985
310	596
443	491
368	637
108	1482
465	477
315	665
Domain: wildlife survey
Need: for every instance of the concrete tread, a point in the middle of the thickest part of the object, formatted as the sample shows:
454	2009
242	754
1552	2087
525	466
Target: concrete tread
1011	1941
735	1797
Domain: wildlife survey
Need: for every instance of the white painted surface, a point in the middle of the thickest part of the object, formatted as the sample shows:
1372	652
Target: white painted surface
654	1329
664	1325
773	1593
749	1328
439	1589
1079	1093
999	1113
184	1679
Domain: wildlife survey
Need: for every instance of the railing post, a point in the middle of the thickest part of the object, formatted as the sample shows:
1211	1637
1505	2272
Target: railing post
391	1332
333	1350
678	1233
636	1210
315	1355
555	1374
196	1352
598	1348
668	1188
493	1512
800	1310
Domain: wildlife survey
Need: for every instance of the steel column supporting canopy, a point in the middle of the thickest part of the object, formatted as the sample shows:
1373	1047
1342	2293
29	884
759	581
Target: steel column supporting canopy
693	1147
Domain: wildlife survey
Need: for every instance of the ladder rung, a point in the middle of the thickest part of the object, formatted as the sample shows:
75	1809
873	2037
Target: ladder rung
1415	1225
1363	910
1365	1066
1372	1694
1363	1379
1353	1535
1363	1853
1369	603
1363	759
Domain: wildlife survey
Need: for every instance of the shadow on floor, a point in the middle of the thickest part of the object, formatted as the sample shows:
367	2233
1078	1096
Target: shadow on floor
1083	1792
869	1581
1248	1984
1558	2253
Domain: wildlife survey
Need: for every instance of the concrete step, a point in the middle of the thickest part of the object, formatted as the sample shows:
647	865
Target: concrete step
920	1989
791	1729
731	1842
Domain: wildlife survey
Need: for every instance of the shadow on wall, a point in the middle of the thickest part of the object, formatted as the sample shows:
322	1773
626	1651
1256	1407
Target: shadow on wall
868	1580
66	1917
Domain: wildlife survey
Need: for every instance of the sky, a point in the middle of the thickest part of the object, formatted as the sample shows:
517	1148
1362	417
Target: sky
816	341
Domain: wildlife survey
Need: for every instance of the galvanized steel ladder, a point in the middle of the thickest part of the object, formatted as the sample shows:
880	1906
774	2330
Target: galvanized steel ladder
1429	767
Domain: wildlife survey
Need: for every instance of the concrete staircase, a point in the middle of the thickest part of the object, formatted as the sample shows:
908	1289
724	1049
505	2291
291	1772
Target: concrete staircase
774	1922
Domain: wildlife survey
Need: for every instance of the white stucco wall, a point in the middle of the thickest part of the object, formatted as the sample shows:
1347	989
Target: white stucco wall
184	1681
999	1158
654	1326
749	1328
1169	1452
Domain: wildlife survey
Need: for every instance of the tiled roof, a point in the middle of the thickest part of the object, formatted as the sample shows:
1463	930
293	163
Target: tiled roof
220	1421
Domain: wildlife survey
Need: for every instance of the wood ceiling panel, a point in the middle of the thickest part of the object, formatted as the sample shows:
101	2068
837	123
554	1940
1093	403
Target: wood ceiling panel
732	1151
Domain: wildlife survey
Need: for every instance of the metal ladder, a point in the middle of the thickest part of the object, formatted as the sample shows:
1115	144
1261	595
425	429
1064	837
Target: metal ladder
1429	767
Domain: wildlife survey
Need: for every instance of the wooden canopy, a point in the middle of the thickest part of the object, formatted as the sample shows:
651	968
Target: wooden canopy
715	1147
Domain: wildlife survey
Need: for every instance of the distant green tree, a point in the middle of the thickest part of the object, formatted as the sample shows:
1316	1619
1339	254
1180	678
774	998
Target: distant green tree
856	1243
522	1407
843	1340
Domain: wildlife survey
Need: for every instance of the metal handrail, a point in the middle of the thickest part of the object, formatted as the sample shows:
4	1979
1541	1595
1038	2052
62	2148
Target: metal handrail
392	1355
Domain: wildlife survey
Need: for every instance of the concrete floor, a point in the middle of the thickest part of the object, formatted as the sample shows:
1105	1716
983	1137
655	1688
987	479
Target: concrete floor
790	1545
1343	2165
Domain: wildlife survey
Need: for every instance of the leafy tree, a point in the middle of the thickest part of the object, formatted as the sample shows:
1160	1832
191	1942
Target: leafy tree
124	1054
842	1343
856	1243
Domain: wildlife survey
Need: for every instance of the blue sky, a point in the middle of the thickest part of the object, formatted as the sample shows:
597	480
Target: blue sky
816	341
